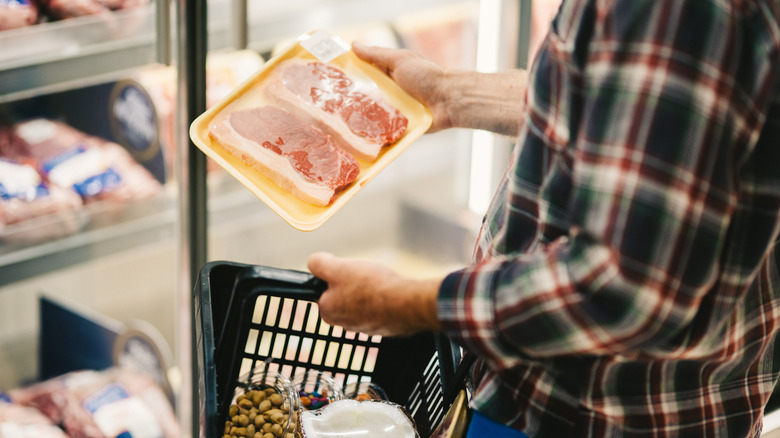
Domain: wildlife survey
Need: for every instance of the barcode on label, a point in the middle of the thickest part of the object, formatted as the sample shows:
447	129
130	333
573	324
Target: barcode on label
324	46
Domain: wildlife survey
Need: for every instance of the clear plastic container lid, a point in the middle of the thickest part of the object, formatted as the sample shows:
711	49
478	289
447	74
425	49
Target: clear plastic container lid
361	391
316	389
374	418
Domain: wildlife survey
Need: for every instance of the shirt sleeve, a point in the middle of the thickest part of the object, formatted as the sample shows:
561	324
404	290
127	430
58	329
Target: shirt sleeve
656	102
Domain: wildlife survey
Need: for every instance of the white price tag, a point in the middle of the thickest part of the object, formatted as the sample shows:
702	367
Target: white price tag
324	46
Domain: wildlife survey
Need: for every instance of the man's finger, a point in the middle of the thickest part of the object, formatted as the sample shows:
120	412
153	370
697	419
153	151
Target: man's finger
320	264
378	56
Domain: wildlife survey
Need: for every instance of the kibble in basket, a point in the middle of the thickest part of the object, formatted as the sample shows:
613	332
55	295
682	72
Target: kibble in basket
265	406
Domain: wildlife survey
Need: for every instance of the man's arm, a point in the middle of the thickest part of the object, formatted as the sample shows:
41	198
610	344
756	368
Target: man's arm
371	298
458	99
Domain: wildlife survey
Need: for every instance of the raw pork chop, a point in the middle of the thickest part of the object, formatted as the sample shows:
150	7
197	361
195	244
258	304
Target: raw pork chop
17	13
25	196
295	155
358	121
97	169
115	402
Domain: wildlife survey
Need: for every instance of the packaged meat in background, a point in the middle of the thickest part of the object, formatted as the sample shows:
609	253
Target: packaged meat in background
32	210
116	5
94	168
354	113
224	71
62	9
17	13
103	404
18	421
446	35
160	82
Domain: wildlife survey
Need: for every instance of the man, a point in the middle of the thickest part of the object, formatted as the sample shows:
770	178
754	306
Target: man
625	281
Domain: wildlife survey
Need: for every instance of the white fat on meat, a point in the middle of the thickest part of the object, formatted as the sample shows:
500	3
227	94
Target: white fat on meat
297	156
354	114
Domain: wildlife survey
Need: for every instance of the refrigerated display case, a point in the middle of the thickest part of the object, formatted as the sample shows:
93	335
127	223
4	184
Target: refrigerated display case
133	262
68	71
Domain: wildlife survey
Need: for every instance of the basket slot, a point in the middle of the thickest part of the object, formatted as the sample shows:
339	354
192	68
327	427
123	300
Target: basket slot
291	333
427	395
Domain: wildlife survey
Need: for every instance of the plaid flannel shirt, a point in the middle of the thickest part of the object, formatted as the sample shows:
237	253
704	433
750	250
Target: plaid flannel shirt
625	281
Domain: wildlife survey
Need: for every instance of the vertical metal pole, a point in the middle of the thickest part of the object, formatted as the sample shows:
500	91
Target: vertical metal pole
193	209
195	47
240	24
163	24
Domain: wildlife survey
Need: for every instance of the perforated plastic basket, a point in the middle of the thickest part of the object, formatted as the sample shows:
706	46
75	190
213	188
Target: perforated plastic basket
245	315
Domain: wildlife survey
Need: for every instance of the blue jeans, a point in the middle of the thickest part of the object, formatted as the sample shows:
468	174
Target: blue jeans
481	426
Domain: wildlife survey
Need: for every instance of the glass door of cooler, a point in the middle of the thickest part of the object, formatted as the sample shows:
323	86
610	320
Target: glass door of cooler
87	211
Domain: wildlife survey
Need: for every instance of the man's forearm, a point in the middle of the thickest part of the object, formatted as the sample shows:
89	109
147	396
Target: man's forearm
417	306
488	101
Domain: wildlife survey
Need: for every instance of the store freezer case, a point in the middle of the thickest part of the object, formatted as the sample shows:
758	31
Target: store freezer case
246	317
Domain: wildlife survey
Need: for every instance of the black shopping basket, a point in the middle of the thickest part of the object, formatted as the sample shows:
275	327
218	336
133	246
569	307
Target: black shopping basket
246	315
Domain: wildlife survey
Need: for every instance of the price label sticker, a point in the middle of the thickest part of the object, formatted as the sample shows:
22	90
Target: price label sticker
324	46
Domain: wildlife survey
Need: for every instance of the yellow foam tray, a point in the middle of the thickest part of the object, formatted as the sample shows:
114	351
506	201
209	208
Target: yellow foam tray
298	213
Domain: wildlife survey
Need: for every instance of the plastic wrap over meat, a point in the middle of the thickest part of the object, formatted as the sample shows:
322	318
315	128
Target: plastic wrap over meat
96	169
352	112
18	421
105	404
17	13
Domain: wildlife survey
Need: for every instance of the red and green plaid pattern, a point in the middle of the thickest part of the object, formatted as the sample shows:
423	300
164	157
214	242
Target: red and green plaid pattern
626	278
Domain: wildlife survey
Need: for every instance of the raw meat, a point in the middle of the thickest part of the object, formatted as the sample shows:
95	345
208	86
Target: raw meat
295	155
99	404
49	211
17	13
18	421
94	168
123	4
61	9
357	118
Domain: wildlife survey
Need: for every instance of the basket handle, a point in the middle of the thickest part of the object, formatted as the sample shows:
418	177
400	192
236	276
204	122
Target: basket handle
283	283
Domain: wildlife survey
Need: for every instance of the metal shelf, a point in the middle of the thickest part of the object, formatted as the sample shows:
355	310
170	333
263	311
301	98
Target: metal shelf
71	53
108	231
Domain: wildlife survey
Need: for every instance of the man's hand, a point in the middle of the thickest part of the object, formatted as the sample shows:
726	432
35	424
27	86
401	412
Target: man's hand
415	74
457	99
371	298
